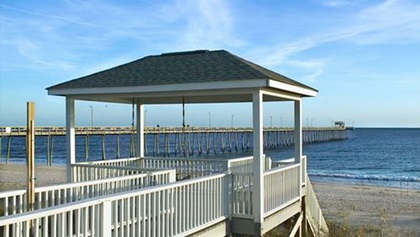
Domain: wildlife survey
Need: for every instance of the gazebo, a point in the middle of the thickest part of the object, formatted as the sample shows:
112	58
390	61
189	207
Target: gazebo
200	76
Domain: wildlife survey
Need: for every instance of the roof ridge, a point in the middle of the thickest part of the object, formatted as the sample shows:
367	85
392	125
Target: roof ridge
199	51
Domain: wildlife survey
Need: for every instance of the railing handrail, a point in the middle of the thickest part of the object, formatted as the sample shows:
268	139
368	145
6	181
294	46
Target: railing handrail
108	161
6	193
281	168
6	220
117	167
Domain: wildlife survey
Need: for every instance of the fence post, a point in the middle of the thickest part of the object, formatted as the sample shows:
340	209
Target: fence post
106	218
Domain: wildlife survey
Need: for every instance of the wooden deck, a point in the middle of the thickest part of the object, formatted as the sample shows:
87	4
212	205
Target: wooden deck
144	197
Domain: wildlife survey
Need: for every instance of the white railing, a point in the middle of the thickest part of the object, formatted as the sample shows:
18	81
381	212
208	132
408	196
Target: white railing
133	161
175	209
185	167
193	167
244	164
12	202
15	201
87	172
313	212
284	162
303	161
290	161
281	187
179	208
242	195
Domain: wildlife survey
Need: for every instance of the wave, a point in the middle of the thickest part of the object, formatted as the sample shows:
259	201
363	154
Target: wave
367	177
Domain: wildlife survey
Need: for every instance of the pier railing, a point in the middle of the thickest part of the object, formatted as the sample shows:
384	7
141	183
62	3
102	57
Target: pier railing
13	202
174	209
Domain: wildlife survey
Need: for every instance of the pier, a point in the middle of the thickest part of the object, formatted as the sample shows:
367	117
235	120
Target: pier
178	196
173	141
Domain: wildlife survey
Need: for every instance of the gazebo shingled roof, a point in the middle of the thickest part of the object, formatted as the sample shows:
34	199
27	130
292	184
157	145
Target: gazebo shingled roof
201	66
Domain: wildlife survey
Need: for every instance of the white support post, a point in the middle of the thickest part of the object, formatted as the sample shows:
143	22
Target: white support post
298	139
258	168
70	137
298	131
140	130
106	222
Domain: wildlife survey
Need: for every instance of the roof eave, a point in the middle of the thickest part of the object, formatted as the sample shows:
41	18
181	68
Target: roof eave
160	88
235	84
303	91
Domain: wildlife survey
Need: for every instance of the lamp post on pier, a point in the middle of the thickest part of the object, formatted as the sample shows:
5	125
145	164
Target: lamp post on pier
210	120
145	115
91	118
271	121
231	121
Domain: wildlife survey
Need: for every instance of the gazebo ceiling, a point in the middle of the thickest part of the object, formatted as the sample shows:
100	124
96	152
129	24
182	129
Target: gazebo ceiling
197	76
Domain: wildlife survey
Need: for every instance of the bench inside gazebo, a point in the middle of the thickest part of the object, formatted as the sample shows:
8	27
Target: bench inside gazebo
141	196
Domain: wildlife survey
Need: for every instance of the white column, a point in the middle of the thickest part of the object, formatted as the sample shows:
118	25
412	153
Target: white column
298	131
298	140
140	130
258	184
70	137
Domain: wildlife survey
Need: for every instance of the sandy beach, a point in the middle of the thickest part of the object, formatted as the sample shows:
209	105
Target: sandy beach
395	211
13	176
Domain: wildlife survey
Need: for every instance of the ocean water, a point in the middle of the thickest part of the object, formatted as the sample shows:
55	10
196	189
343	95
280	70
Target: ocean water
372	156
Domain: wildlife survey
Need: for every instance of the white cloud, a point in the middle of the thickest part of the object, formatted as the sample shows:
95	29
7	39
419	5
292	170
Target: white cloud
311	69
69	35
203	24
390	22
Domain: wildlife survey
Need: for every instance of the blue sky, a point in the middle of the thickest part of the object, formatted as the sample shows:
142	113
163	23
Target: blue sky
363	56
